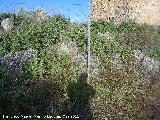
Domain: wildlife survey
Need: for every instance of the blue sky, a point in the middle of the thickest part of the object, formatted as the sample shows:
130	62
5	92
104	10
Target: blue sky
76	10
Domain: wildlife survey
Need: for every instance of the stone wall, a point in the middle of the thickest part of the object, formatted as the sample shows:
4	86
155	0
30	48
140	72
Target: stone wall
143	11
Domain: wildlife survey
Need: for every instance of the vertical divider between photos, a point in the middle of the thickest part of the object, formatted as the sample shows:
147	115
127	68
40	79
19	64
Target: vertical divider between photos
89	40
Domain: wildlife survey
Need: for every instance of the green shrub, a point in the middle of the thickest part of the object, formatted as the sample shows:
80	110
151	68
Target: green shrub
51	78
102	26
36	35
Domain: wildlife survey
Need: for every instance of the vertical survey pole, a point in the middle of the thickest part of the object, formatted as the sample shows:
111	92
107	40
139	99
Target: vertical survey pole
89	39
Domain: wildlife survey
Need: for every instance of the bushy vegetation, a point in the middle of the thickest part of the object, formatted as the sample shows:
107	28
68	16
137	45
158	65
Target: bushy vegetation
52	86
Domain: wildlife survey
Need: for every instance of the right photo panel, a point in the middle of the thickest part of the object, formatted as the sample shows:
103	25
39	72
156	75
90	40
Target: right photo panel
125	55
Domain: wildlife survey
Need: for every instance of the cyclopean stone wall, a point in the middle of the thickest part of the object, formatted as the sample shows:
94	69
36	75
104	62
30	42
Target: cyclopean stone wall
143	11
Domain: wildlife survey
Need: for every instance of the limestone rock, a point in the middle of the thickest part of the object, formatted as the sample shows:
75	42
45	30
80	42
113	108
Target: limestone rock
149	63
15	64
7	23
79	58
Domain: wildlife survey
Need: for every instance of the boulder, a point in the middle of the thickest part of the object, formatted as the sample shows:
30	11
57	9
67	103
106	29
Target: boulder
149	63
151	71
15	64
7	23
79	58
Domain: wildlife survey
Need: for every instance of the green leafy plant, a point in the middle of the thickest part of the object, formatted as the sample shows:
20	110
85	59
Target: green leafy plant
52	78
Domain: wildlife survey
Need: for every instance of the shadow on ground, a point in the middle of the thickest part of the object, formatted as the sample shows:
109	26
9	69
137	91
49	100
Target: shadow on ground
79	95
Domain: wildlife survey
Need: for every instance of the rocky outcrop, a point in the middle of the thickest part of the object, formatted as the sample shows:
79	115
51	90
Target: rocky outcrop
79	58
15	64
140	58
7	24
149	63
